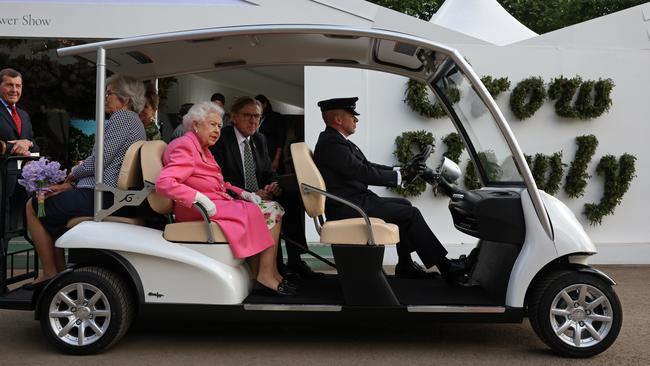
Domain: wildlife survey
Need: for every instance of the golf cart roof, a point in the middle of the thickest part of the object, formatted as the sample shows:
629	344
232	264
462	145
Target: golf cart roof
168	54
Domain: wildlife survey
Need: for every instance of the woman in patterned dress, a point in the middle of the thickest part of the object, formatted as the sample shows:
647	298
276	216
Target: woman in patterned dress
75	196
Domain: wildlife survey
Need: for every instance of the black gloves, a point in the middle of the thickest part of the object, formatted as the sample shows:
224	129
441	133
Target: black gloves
412	170
416	166
430	176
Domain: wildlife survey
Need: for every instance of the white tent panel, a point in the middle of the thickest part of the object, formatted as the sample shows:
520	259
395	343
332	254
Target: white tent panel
483	19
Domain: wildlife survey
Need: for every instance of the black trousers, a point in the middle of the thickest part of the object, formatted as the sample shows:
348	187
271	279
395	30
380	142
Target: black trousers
415	235
293	226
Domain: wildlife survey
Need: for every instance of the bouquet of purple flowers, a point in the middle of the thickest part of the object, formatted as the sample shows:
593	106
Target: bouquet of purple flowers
38	176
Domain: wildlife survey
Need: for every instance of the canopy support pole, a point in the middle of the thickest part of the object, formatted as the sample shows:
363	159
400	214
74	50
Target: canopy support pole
99	132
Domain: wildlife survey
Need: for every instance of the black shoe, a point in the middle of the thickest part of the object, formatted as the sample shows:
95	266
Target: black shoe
282	290
413	270
456	271
302	269
289	284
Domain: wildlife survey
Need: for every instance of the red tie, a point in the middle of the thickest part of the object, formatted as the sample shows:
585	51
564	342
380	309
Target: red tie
17	121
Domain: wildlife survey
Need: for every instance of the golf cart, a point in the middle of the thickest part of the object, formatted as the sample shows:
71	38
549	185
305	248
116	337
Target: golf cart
532	254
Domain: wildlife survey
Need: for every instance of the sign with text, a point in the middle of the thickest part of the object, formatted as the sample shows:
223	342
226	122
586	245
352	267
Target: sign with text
111	18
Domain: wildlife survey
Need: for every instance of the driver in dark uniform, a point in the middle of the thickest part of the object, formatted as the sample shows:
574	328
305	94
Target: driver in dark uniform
347	173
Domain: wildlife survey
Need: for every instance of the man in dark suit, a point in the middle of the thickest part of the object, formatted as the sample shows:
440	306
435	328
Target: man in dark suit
347	174
16	130
15	125
230	153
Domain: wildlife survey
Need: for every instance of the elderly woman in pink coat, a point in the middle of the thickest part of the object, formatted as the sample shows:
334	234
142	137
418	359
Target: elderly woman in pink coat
191	175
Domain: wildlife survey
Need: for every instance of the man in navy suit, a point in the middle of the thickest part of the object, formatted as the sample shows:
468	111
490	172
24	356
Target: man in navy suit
229	153
16	131
15	125
347	174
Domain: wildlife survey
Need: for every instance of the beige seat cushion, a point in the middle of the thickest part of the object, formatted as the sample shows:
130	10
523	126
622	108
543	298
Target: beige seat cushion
354	231
193	232
125	220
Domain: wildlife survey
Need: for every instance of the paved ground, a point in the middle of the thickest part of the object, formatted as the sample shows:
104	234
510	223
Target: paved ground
205	343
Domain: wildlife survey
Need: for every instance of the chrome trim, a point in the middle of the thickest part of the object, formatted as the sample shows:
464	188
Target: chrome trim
292	307
456	309
308	189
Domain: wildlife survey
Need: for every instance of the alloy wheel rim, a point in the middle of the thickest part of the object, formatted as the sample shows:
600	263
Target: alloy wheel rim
581	315
79	314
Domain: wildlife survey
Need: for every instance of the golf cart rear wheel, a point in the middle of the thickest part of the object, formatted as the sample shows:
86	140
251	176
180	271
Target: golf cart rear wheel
576	314
86	311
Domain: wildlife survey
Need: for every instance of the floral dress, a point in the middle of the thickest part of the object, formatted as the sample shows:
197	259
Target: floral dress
272	211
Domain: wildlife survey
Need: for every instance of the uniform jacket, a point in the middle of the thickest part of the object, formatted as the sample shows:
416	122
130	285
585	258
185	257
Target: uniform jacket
226	153
346	171
189	168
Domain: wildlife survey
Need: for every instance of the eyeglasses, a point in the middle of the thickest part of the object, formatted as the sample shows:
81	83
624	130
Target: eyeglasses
253	116
109	93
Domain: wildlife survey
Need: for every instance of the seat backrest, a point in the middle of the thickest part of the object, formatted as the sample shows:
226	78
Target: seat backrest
308	173
151	159
131	172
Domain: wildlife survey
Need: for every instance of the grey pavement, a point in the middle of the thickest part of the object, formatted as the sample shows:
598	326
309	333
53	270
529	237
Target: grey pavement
169	342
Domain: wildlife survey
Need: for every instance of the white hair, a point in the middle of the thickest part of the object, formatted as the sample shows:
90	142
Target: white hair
199	112
128	87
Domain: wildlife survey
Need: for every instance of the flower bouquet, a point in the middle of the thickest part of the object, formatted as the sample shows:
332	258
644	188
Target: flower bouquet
38	176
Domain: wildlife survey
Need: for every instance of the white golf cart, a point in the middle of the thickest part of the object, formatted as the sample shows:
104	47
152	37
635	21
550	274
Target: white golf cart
531	256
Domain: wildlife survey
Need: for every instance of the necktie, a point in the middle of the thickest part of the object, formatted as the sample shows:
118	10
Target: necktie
250	181
16	117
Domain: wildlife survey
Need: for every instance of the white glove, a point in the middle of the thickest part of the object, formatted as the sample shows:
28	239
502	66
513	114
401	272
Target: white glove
251	197
206	203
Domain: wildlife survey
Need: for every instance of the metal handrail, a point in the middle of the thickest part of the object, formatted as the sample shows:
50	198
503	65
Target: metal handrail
206	219
308	189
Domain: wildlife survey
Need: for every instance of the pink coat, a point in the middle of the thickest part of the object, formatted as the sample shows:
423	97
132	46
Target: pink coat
190	168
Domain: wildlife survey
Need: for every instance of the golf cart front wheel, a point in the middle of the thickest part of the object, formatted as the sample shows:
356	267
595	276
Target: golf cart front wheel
576	314
86	311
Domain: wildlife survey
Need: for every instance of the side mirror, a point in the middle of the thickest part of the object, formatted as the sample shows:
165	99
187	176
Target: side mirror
449	170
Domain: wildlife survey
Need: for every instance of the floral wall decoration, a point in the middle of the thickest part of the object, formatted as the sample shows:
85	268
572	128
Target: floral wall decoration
574	98
409	144
576	178
417	98
586	106
495	86
527	97
547	171
592	100
617	175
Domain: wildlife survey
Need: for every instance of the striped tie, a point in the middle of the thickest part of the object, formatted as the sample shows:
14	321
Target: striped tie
250	181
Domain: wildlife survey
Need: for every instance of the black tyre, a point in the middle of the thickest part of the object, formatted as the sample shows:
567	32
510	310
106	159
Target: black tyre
576	314
86	311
